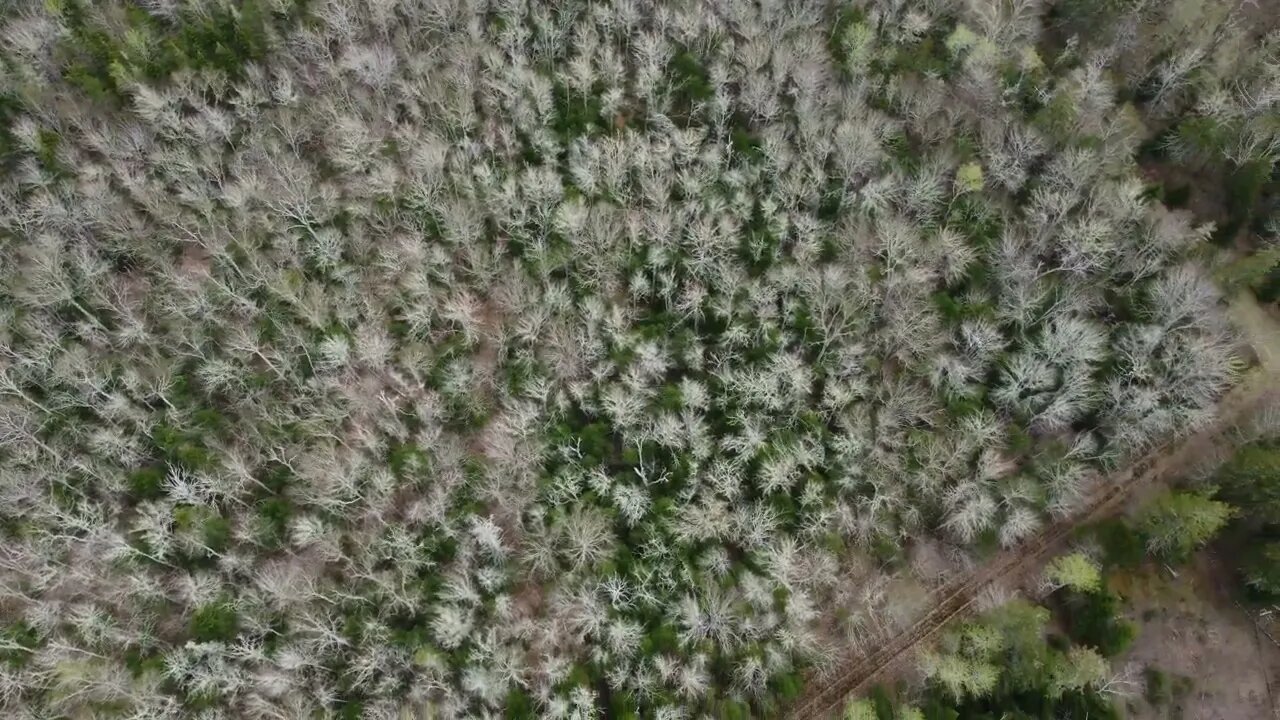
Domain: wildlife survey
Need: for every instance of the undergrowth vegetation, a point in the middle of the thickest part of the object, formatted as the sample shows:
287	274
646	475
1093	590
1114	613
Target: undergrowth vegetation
479	359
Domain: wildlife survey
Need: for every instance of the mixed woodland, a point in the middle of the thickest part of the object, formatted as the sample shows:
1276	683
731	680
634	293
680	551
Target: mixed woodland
601	358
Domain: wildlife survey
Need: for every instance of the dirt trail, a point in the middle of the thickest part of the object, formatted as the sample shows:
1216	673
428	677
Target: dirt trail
1260	327
1261	386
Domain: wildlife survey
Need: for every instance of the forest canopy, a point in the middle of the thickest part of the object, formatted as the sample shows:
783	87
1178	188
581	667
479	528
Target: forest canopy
581	359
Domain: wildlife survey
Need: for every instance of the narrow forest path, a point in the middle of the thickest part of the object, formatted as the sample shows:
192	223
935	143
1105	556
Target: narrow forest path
1260	327
1259	387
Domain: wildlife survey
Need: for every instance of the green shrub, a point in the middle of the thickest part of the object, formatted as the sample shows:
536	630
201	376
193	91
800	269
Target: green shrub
847	33
1074	571
689	75
1122	545
216	533
577	113
273	513
1177	523
1093	619
1254	271
18	640
184	448
1245	185
142	663
734	710
101	61
146	484
928	56
215	623
520	706
788	685
1261	568
1251	480
1267	287
1159	690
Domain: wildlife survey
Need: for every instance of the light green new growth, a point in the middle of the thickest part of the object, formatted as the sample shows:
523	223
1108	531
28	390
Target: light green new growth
1075	571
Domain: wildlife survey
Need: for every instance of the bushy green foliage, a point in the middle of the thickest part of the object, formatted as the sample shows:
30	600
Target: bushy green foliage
1251	480
1074	571
216	622
1093	619
1178	523
1005	665
1163	690
19	641
109	47
147	483
1123	545
1258	271
1261	567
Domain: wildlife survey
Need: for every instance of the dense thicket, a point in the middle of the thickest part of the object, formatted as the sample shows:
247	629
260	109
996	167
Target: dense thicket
1250	480
1004	665
534	359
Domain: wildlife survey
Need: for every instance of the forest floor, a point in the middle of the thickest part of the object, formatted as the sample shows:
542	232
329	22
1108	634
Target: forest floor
1216	660
1260	387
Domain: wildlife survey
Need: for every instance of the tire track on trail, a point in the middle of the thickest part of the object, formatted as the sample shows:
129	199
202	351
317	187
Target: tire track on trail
1259	387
